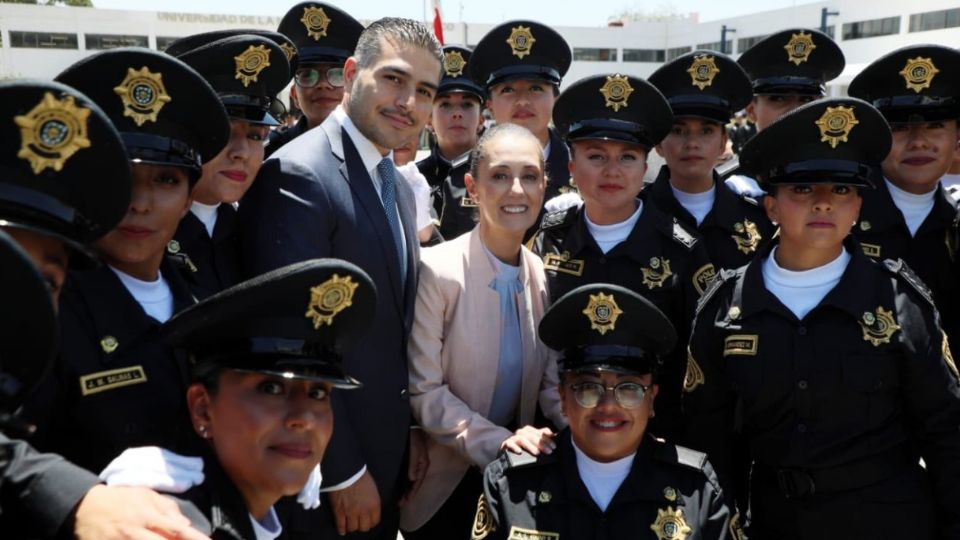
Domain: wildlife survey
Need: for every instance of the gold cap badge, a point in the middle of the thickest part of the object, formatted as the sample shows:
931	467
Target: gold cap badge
521	40
670	524
703	70
616	91
836	124
143	95
316	22
109	344
603	312
799	47
919	73
52	132
251	62
329	298
453	63
878	327
289	51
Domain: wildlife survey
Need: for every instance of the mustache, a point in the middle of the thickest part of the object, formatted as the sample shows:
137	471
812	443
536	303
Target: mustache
397	112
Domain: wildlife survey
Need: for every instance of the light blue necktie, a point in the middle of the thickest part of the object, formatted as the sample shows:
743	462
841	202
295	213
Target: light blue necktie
506	393
388	193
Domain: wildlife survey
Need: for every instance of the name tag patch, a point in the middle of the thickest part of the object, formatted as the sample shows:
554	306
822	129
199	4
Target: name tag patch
871	250
563	263
467	202
740	344
516	533
102	381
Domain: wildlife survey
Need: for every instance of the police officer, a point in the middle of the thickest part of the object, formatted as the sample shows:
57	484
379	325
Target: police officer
607	478
611	123
705	89
247	71
325	36
116	385
910	216
787	69
830	367
456	121
521	64
51	202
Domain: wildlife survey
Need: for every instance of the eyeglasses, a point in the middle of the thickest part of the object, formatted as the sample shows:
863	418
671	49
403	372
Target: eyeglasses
629	394
309	77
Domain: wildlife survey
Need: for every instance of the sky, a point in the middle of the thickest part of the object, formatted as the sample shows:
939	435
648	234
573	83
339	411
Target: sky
554	12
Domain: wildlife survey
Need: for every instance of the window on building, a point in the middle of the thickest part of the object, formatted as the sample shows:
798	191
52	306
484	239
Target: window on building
935	20
112	41
164	41
644	55
872	28
594	55
715	46
745	43
677	51
43	40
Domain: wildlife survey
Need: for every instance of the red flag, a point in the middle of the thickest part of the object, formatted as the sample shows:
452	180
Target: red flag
437	22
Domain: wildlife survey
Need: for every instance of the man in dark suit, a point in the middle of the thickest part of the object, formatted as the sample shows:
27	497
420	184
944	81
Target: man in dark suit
334	192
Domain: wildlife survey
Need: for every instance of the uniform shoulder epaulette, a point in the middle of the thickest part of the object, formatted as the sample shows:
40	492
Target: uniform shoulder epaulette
899	268
511	461
559	219
728	168
671	453
749	200
682	235
722	276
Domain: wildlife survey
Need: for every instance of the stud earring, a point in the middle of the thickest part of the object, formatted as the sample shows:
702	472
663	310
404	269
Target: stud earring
203	432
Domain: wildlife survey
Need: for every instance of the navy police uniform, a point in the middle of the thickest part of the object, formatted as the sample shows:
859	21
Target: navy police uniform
661	259
710	86
247	71
320	32
670	492
915	84
836	408
116	385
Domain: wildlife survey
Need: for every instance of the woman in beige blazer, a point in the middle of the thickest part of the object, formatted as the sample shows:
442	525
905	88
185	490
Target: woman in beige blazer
476	370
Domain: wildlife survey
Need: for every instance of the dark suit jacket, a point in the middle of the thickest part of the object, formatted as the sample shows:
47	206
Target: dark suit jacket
314	198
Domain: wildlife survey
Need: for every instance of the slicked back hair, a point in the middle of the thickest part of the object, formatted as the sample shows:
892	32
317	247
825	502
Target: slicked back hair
401	33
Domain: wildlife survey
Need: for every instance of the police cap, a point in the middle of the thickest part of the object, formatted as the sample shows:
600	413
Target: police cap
705	84
517	50
167	114
829	141
607	327
64	171
293	322
920	83
456	73
321	32
797	61
613	107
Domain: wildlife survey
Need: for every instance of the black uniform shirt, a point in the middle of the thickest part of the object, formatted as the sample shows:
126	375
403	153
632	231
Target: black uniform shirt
214	263
669	488
280	137
732	231
454	207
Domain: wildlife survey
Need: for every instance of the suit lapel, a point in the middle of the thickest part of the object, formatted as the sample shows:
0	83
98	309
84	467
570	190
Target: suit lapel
485	311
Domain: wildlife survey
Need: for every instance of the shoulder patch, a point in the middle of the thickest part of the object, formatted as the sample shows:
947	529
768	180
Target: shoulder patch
683	236
719	278
518	461
671	453
729	167
899	268
559	218
750	200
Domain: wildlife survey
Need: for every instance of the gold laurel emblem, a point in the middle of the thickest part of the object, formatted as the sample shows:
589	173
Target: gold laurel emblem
289	51
616	91
453	63
657	273
670	493
544	497
173	247
670	524
251	62
948	356
109	344
878	328
143	95
736	531
703	70
329	298
52	132
521	40
747	237
693	378
919	73
316	21
482	524
799	47
603	312
836	124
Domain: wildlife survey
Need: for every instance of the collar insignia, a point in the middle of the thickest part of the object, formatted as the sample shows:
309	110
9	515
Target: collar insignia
603	312
316	21
521	40
919	73
657	273
482	523
329	298
250	63
616	91
878	327
799	47
836	124
52	132
143	95
747	237
453	63
703	70
670	524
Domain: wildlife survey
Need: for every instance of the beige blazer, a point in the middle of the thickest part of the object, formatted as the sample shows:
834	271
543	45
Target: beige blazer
453	353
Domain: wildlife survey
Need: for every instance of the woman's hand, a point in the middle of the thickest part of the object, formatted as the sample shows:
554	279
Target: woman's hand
531	440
